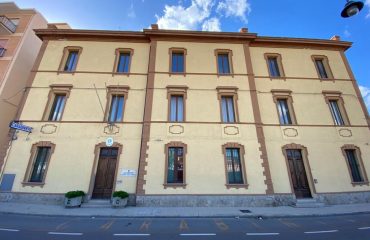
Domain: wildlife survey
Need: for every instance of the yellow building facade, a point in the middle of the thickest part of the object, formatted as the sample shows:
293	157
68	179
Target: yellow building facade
185	118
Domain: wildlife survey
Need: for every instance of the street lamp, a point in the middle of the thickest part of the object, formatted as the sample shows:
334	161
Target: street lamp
352	8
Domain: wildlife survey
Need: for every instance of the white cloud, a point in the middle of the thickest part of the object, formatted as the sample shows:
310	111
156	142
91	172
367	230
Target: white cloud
347	33
234	8
181	18
212	24
367	3
202	14
131	11
365	92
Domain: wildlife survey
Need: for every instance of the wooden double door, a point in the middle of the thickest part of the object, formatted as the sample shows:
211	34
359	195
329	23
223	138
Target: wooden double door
298	173
105	173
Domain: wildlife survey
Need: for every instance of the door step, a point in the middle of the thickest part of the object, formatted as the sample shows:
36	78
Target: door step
99	203
308	203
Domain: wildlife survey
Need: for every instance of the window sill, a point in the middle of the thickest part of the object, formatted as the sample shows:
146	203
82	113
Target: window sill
33	184
354	184
225	74
327	79
174	185
177	73
277	78
237	186
121	73
66	72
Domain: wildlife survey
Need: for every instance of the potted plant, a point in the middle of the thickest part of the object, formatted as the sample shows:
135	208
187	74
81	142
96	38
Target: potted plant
73	198
119	199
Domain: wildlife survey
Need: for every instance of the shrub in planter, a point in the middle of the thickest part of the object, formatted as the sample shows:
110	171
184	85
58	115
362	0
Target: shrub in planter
73	198
119	199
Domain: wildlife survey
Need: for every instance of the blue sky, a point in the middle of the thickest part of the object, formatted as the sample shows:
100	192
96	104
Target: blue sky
289	18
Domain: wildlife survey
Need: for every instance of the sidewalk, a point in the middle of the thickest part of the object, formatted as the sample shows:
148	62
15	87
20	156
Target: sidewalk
265	212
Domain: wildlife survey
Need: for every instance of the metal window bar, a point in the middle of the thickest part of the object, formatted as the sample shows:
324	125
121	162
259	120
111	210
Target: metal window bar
321	67
2	52
116	109
228	113
8	24
124	62
335	111
354	166
234	169
57	108
274	67
284	113
39	166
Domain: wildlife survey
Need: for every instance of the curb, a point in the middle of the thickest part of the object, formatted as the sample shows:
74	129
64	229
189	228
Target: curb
262	216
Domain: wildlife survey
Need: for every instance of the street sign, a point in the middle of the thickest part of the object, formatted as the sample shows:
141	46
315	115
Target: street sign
128	173
20	126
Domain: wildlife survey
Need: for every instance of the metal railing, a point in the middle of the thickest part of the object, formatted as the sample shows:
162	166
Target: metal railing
2	51
8	24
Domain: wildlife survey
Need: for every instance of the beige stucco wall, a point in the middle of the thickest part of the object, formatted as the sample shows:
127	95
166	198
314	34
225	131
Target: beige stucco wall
323	142
82	126
205	164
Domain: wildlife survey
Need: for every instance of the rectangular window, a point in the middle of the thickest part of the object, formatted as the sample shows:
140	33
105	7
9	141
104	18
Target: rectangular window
124	62
116	109
175	170
273	67
336	113
39	166
321	68
177	64
223	63
177	108
71	61
354	165
233	166
57	107
227	109
284	114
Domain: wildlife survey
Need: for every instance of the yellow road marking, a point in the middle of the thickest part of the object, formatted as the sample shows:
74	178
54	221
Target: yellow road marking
254	224
183	225
288	224
221	225
107	225
145	226
62	226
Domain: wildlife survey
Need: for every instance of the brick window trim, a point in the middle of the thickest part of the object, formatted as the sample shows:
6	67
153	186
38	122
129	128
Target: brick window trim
185	149
54	90
287	95
325	61
225	91
337	96
120	90
31	161
177	50
360	162
229	53
174	90
63	61
117	52
242	162
279	62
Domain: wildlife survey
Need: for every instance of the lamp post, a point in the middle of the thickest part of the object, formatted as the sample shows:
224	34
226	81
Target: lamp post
352	8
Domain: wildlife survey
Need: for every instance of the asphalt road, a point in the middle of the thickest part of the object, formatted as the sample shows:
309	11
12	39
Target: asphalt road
18	227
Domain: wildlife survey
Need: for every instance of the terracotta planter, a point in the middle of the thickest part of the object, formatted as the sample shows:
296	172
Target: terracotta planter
73	202
119	202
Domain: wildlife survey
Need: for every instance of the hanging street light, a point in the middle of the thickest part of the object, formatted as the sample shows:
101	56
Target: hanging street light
352	8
